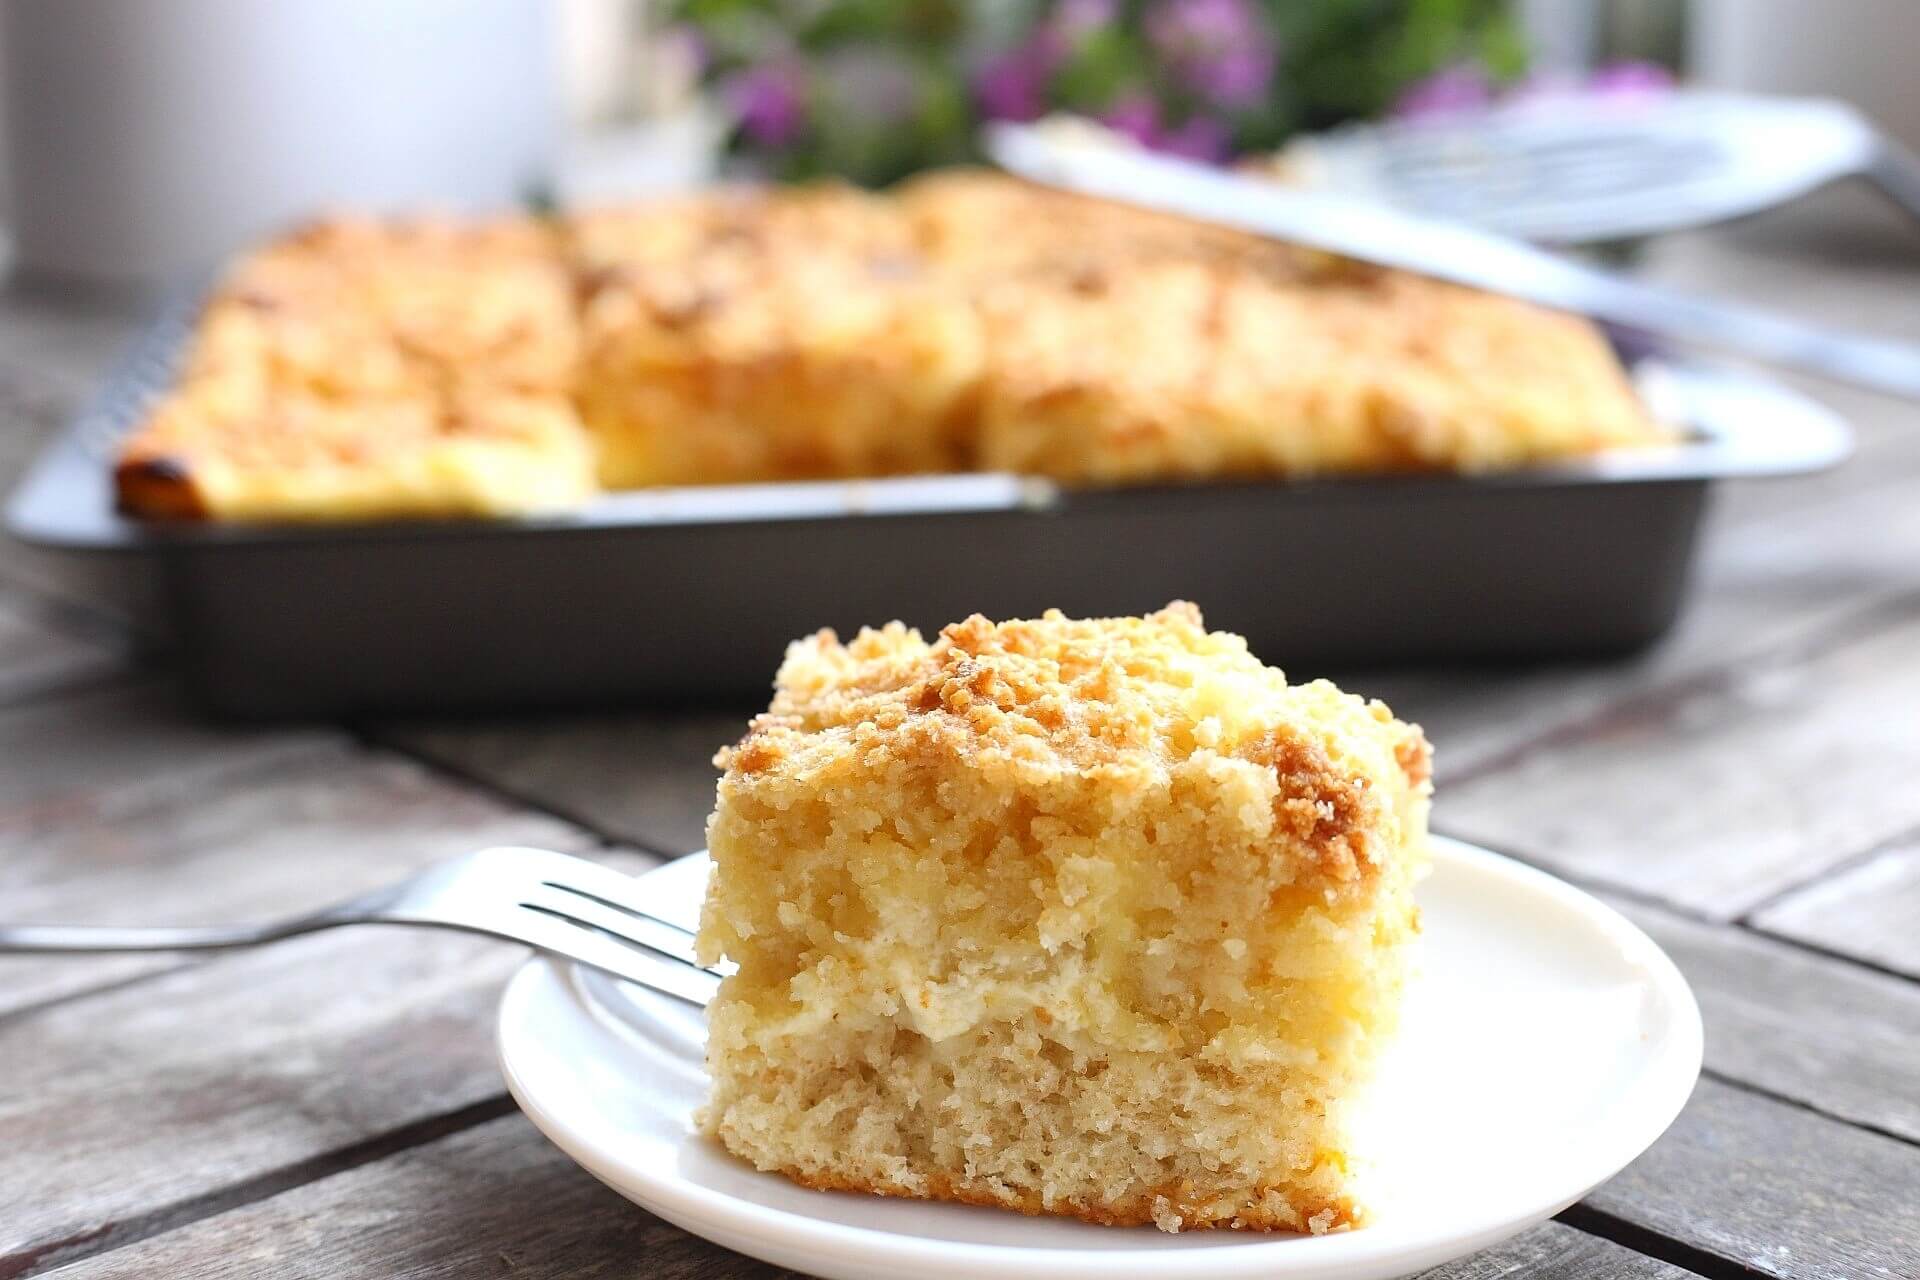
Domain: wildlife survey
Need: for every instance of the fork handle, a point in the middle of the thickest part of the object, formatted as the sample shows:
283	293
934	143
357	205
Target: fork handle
21	939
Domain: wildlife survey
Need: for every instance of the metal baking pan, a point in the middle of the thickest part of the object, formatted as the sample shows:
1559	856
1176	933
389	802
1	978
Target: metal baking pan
680	594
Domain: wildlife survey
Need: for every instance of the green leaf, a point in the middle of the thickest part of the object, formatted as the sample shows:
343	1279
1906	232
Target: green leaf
1099	68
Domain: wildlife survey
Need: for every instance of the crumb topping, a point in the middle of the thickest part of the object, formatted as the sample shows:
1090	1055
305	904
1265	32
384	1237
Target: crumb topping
1131	701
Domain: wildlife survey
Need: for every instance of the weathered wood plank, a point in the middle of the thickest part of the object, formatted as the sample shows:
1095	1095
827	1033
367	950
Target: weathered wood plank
126	1102
437	1211
43	649
646	780
1717	793
87	755
1553	1251
121	1104
1771	1187
1867	911
299	833
1836	1037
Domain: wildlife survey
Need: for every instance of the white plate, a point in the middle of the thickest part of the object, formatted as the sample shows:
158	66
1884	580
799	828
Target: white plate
1545	1044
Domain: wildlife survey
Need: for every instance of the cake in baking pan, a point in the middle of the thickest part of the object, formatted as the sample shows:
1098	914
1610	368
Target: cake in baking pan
965	321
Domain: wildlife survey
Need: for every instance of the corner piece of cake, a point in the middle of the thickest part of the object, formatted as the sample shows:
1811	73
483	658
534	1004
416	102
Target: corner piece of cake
1100	918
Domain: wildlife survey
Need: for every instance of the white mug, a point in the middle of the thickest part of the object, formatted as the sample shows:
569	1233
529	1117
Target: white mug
147	139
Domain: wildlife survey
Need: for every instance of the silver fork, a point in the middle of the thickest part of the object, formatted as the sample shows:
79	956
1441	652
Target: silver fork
551	901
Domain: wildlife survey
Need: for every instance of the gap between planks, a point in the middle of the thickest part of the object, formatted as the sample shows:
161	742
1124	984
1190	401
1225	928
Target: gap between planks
1694	915
372	739
1855	627
1878	849
1801	1104
1645	1240
115	1235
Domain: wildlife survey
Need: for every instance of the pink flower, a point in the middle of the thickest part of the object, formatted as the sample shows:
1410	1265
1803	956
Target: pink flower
1076	18
770	101
1218	48
1550	85
1012	85
1619	82
1173	25
1236	77
1455	91
1200	138
1630	80
1137	116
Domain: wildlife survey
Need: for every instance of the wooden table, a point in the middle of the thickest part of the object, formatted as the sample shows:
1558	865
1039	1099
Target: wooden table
1749	792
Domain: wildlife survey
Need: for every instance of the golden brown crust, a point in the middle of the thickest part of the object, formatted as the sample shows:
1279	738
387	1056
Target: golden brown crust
1169	1207
158	486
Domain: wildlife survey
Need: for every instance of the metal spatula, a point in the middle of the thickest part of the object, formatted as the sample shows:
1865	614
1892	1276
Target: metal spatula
1374	232
1572	170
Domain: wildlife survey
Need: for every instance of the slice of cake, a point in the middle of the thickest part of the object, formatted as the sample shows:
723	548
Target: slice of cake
1100	918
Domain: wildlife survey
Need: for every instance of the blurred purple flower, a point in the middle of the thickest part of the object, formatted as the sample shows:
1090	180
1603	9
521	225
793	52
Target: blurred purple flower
1454	91
1630	80
1625	81
1012	84
1200	138
1176	25
770	101
1136	115
1236	77
1008	87
1550	85
1217	48
1076	18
